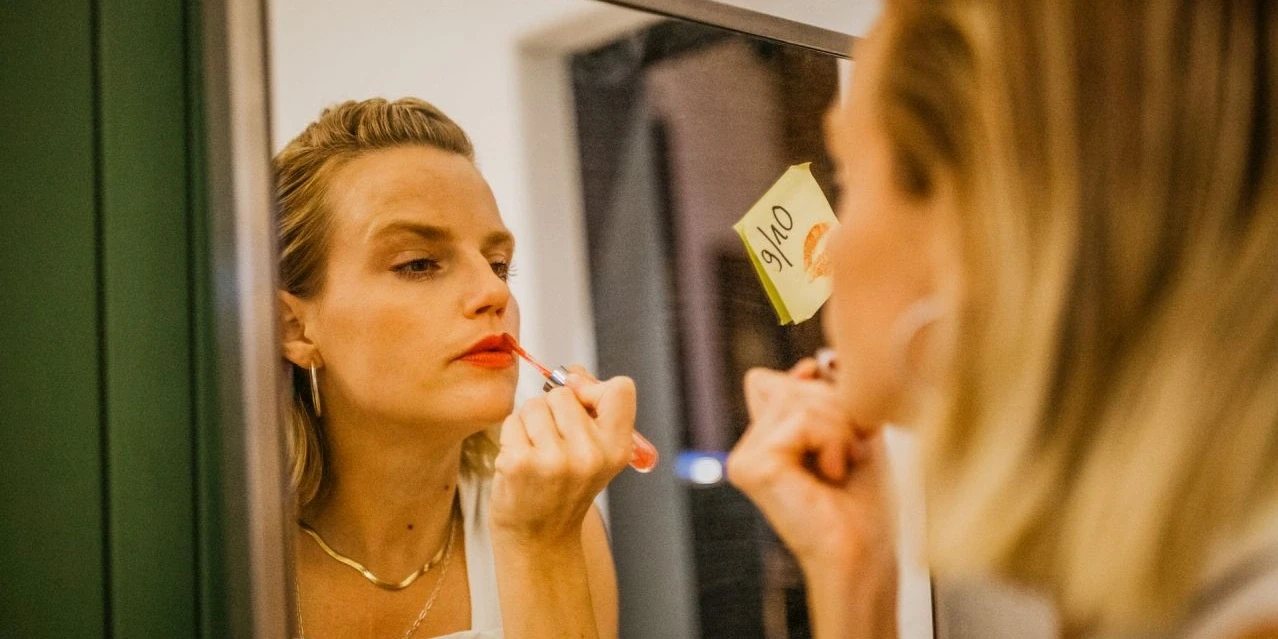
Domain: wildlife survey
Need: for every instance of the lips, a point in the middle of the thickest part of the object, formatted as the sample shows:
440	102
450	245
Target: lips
492	351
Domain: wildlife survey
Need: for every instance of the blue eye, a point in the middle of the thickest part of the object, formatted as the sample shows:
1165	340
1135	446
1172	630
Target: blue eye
418	269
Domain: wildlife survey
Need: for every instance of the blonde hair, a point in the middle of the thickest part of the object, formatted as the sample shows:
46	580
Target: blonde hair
1109	419
303	170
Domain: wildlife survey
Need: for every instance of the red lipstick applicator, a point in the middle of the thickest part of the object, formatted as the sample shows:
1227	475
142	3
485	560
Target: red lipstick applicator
645	455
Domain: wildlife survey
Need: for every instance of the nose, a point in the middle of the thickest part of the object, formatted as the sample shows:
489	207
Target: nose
487	294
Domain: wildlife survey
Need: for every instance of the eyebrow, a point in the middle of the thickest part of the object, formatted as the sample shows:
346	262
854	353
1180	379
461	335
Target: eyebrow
434	233
426	231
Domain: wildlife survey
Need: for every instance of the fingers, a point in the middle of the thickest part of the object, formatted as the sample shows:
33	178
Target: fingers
556	458
513	436
571	420
807	368
516	448
612	404
811	433
559	429
585	386
579	378
612	400
539	423
760	385
591	422
834	458
577	369
619	392
796	425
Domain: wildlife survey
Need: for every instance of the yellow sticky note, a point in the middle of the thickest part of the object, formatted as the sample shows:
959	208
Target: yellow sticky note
785	233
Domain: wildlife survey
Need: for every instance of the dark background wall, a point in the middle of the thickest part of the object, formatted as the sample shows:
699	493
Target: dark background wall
108	513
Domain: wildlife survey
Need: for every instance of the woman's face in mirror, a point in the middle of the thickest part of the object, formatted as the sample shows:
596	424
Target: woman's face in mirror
882	255
415	277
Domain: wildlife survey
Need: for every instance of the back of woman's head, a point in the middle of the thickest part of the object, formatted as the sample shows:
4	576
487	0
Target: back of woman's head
1110	419
303	173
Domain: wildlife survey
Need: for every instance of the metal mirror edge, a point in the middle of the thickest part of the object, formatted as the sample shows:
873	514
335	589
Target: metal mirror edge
749	22
249	379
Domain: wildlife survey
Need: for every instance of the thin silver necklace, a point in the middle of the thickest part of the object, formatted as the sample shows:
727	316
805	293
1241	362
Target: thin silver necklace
421	616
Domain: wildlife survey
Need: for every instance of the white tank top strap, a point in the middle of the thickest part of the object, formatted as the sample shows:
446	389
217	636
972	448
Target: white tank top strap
473	490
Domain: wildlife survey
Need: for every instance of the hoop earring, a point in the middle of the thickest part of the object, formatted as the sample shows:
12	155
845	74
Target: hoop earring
921	314
315	396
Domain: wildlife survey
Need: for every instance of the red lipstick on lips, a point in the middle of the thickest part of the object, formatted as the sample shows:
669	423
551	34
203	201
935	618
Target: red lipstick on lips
490	352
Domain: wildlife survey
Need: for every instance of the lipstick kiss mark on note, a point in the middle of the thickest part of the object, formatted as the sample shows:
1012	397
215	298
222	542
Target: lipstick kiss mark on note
785	234
815	261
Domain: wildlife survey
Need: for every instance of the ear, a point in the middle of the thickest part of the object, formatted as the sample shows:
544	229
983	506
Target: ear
294	344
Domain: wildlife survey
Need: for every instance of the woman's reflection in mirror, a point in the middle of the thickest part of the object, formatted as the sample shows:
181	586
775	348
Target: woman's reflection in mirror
427	504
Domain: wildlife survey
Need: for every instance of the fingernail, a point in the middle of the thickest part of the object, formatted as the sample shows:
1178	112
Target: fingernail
575	379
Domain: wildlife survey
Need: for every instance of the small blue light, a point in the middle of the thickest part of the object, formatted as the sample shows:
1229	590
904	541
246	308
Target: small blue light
701	467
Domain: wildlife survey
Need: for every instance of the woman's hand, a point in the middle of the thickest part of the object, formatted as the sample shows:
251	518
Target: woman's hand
558	451
554	575
822	484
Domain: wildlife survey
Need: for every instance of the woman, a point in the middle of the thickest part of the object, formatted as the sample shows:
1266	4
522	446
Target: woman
1059	258
394	265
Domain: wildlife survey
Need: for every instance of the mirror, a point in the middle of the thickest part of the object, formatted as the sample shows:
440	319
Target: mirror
621	144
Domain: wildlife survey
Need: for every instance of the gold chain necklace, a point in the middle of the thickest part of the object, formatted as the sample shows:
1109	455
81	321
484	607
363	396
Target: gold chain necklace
368	574
430	602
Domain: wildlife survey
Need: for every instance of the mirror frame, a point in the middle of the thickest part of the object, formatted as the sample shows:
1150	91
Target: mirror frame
749	22
252	389
251	518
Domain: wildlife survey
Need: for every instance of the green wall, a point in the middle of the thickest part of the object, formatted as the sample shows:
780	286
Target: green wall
108	517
